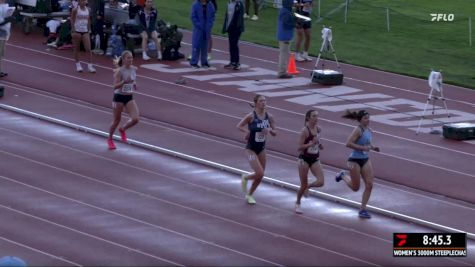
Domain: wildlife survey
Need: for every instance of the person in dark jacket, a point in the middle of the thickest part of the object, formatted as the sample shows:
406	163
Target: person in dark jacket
285	34
147	17
210	45
234	26
97	11
202	18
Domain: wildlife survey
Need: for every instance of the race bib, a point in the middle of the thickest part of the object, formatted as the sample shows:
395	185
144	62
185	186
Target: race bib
313	149
127	88
260	137
83	23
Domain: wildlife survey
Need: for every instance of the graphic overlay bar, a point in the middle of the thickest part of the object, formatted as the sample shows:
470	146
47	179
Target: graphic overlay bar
429	244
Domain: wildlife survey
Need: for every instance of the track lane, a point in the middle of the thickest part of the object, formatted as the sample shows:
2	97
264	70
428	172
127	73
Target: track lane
423	159
229	153
282	226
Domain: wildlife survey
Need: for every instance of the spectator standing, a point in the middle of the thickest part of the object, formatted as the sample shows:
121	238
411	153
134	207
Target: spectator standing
97	11
5	24
234	26
210	45
148	21
304	30
81	32
256	10
285	33
202	18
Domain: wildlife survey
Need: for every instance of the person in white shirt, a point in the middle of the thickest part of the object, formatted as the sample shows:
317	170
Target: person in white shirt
80	32
6	18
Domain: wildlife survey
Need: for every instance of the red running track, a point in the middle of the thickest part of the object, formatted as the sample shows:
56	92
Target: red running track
214	110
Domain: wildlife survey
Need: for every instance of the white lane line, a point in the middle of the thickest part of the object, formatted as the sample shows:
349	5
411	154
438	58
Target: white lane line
391	135
355	79
80	232
185	131
40	251
296	132
163	175
160	227
269	180
186	236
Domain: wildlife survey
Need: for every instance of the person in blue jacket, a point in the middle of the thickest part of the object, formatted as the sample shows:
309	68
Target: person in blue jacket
202	17
285	34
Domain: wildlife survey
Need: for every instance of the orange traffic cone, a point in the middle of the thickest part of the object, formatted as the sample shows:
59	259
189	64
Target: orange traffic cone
292	68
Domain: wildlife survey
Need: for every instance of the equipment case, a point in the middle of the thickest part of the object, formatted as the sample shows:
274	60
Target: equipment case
459	131
327	77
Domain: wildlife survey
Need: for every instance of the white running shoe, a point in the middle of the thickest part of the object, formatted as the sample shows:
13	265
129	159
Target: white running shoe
298	57
250	200
306	57
246	16
91	68
145	56
98	51
298	210
254	17
78	67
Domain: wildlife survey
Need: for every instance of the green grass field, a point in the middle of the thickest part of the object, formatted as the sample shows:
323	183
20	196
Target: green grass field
413	46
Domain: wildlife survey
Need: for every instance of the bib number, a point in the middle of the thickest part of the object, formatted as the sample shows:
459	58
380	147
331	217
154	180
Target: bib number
313	149
260	137
128	88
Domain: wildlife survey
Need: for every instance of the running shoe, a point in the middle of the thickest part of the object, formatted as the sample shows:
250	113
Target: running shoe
111	144
298	210
229	66
254	17
123	136
237	66
244	183
206	66
91	68
98	51
364	214
298	57
79	67
145	56
250	200
195	66
339	176
306	57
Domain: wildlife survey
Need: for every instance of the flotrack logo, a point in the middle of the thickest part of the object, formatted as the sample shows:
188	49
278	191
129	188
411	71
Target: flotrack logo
442	17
